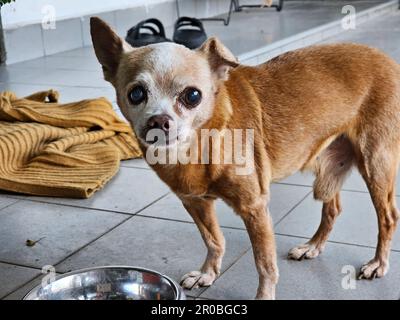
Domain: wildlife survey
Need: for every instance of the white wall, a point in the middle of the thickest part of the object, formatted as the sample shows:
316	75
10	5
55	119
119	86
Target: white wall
25	12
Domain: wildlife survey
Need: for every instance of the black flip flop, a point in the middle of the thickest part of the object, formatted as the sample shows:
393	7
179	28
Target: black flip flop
189	32
136	38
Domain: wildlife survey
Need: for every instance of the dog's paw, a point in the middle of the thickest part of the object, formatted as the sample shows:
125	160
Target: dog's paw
373	269
197	279
305	251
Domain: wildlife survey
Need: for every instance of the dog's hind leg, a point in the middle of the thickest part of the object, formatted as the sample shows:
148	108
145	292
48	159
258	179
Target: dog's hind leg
379	168
202	211
331	169
311	249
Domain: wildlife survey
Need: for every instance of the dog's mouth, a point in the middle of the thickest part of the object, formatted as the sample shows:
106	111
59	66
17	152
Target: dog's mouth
161	140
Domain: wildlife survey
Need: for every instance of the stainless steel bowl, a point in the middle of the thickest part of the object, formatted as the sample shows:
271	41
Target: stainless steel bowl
109	283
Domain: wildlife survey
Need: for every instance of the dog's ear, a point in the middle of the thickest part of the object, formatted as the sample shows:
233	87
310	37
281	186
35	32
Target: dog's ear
268	3
219	57
108	47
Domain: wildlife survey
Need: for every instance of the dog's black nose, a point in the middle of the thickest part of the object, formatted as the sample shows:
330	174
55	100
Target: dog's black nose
162	121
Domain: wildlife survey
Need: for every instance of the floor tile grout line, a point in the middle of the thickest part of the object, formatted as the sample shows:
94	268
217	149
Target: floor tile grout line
136	213
70	54
291	236
291	210
80	207
10	204
62	86
185	221
133	167
333	241
24	284
193	296
97	238
91	242
345	190
354	191
20	265
41	200
228	268
293	184
108	231
275	233
360	191
244	229
84	246
13	196
44	68
92	209
285	235
21	286
58	85
310	186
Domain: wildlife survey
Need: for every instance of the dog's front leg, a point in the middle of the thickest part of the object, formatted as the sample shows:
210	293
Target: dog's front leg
203	214
259	226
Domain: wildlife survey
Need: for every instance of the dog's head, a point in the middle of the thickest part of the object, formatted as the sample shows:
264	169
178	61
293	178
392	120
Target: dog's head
165	86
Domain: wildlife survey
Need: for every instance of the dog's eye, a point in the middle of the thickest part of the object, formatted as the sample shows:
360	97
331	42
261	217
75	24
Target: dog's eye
191	97
137	95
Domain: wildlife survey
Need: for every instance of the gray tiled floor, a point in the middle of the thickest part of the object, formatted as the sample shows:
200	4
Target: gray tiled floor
171	246
356	225
283	199
135	220
381	33
5	202
353	183
320	278
60	229
266	26
12	276
117	197
67	93
26	286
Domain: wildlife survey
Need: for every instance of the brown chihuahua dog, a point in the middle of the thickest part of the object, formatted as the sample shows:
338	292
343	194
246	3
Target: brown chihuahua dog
323	108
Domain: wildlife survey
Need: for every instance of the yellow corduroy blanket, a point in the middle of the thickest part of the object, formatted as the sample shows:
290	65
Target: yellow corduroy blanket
63	150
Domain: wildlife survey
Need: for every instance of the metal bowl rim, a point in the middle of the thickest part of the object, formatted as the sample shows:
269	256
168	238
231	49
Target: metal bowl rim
177	289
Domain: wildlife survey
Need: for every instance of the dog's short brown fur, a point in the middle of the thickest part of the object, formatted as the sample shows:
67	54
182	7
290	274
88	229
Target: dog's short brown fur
323	108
